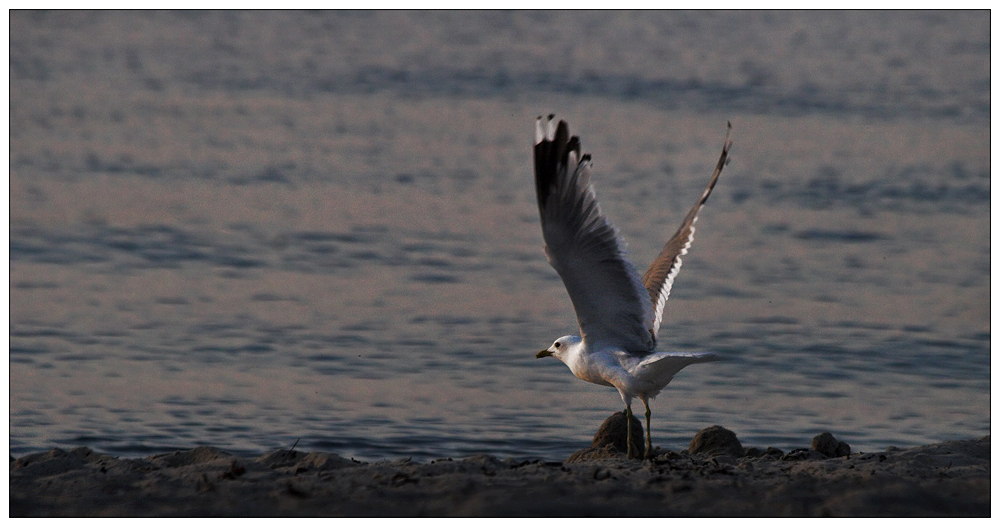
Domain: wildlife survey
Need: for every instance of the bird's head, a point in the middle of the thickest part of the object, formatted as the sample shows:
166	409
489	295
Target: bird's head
560	348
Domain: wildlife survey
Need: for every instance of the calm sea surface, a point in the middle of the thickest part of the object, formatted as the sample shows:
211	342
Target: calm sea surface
245	230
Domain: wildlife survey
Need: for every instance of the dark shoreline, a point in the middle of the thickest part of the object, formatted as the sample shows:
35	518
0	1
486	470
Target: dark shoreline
942	479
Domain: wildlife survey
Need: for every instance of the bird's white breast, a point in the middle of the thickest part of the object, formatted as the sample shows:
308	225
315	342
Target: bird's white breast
597	366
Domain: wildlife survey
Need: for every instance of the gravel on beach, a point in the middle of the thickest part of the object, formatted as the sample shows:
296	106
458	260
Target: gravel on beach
943	479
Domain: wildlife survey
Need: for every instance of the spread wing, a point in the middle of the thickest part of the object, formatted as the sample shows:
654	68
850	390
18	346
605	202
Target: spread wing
660	276
610	300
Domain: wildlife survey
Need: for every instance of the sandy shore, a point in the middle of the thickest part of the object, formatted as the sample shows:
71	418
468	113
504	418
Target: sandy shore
944	479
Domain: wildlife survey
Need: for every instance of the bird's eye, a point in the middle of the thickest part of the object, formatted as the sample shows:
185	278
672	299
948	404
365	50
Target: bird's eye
557	344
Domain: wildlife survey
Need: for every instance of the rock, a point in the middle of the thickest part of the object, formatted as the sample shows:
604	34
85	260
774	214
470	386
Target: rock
45	464
595	454
802	454
757	452
724	460
613	431
182	458
715	441
828	445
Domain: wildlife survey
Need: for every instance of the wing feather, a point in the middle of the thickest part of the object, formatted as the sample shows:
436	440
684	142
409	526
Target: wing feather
584	247
659	279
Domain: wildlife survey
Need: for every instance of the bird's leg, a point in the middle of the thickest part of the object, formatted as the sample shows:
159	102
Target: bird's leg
649	437
628	437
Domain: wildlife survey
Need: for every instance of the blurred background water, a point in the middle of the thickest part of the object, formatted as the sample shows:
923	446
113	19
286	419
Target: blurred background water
247	229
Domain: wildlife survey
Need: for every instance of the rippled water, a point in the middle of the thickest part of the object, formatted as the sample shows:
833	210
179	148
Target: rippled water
247	230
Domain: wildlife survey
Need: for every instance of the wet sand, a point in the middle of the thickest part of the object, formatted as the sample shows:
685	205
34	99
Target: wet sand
943	479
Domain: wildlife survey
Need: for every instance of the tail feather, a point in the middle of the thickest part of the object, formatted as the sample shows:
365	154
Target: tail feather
663	366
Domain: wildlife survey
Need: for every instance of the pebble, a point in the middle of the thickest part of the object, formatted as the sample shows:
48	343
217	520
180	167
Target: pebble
828	445
715	441
613	431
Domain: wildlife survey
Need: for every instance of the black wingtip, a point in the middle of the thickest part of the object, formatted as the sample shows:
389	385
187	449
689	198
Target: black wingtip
727	144
552	157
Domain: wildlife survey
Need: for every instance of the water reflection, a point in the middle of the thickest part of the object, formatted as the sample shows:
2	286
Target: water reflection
209	256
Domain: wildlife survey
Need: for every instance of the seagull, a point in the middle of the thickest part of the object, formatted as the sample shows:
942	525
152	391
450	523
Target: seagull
619	312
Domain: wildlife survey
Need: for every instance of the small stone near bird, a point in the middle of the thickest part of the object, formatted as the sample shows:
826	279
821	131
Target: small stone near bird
613	431
828	445
716	441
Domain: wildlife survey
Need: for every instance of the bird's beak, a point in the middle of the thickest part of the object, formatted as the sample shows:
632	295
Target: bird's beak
543	353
